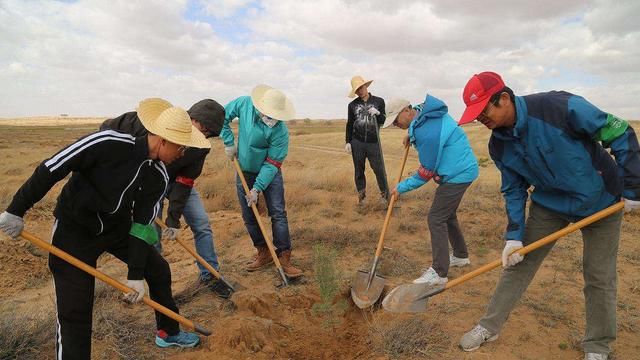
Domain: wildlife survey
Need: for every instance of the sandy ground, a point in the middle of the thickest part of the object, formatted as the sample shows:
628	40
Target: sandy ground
262	321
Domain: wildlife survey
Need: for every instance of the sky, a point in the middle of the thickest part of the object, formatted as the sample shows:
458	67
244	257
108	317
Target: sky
100	58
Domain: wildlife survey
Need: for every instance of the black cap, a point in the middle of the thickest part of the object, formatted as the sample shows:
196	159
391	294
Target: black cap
208	113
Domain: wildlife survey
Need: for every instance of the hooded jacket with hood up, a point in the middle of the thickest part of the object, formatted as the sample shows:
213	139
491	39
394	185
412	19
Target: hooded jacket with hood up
443	148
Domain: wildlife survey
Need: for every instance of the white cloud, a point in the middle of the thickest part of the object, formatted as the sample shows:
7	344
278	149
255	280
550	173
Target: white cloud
100	58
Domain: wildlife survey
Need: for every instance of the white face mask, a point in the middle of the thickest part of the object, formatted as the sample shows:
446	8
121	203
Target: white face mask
268	121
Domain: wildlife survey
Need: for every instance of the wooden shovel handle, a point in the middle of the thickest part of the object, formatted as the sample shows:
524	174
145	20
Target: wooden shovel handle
267	239
111	281
392	201
193	253
539	243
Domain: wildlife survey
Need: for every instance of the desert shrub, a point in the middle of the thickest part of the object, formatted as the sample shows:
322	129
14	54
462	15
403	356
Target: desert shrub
326	276
119	331
23	335
410	337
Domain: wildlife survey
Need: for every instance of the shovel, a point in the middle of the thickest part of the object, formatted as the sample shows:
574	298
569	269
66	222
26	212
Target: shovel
109	280
267	239
367	286
200	260
414	297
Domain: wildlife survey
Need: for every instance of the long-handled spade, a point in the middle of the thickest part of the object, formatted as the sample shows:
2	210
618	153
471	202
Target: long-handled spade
414	297
267	239
200	260
109	280
367	286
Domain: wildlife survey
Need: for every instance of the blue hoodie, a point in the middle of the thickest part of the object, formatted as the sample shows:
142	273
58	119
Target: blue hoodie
443	148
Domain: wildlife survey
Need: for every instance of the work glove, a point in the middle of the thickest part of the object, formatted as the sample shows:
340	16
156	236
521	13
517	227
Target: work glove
170	233
230	151
395	194
373	111
509	247
138	291
251	197
347	148
11	225
630	205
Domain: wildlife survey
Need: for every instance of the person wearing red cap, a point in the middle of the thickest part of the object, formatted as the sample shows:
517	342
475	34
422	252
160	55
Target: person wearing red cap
556	143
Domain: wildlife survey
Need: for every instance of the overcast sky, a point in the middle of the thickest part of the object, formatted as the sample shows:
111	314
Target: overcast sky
100	57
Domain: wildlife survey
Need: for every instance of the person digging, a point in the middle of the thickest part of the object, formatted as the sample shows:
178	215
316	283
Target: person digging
263	144
108	205
556	142
446	157
184	200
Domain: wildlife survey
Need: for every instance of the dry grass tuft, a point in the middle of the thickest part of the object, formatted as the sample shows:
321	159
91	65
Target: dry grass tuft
413	337
25	335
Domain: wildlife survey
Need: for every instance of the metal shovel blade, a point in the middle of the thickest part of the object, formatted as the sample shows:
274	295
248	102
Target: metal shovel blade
410	297
363	297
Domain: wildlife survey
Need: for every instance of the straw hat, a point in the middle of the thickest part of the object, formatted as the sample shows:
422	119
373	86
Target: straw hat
356	82
393	109
273	103
171	123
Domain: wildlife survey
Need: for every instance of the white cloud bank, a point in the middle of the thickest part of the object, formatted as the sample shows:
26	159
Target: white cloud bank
94	57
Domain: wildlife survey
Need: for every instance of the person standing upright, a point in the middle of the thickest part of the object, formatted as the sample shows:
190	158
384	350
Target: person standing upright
365	116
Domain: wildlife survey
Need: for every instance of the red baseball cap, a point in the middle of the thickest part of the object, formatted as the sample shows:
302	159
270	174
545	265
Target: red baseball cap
477	93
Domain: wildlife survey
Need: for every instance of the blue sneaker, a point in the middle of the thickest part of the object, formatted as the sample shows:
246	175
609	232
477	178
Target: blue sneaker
181	339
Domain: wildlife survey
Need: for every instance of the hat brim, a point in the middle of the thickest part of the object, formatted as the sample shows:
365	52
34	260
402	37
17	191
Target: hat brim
148	112
286	114
352	93
389	120
473	111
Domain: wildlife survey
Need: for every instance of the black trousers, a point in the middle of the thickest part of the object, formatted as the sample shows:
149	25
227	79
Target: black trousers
75	289
360	151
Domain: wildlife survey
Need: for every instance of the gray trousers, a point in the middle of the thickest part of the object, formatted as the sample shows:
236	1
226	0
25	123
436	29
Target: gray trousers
360	151
444	226
599	270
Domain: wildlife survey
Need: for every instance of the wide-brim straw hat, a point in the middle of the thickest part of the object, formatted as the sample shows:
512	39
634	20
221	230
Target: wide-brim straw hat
273	103
356	82
393	108
171	123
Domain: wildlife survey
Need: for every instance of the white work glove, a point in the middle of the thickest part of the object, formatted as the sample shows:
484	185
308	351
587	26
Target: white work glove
373	111
630	205
11	225
509	247
347	148
251	197
170	233
230	151
138	291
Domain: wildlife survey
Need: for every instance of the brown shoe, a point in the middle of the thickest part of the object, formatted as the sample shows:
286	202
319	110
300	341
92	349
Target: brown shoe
289	270
263	258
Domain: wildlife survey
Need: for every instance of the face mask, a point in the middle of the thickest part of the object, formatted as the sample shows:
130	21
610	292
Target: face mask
268	121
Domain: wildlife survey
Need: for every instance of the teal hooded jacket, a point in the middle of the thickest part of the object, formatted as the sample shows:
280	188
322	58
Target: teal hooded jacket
443	148
261	149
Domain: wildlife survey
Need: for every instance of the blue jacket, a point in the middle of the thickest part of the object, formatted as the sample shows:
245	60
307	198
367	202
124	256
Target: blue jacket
558	146
443	148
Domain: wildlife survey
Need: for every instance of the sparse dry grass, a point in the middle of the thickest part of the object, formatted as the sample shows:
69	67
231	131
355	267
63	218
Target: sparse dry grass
321	204
410	337
24	335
